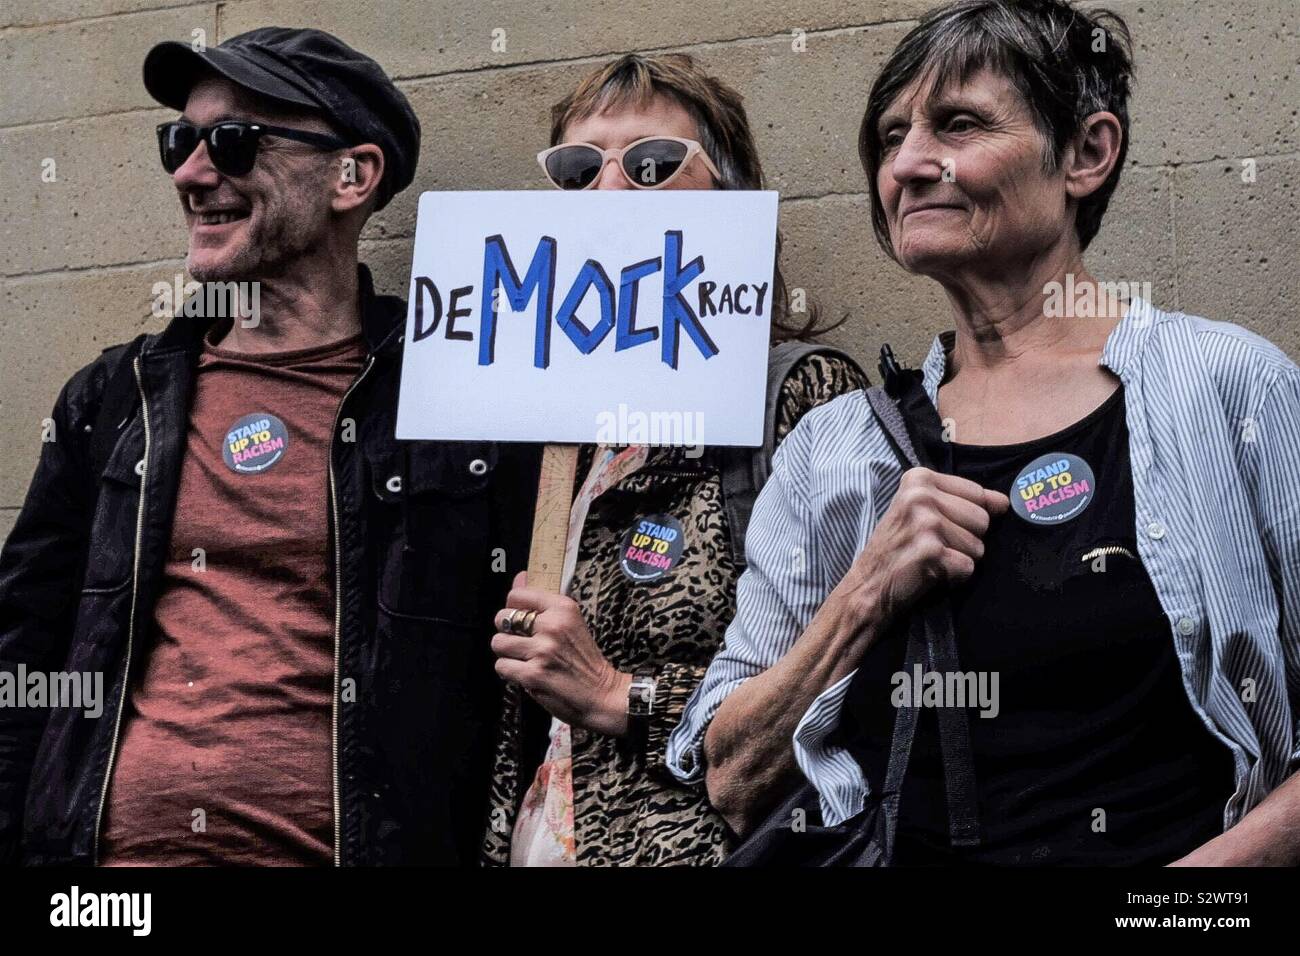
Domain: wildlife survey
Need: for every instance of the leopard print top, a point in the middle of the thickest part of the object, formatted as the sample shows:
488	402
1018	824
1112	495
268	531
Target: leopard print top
628	808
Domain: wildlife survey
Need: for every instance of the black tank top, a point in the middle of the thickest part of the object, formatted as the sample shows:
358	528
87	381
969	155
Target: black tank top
1095	755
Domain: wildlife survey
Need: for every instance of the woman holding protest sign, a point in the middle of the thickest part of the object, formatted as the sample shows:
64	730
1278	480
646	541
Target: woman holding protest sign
1099	543
656	541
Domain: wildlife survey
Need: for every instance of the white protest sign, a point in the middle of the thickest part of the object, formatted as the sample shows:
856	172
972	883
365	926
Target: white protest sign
621	317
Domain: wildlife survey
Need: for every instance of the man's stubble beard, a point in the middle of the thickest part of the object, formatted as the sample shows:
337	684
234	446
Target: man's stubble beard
274	242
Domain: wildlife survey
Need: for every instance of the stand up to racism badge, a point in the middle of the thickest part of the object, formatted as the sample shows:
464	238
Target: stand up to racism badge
651	547
255	443
1053	489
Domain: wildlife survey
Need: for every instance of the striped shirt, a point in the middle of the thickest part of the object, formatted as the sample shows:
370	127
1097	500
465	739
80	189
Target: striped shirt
1213	414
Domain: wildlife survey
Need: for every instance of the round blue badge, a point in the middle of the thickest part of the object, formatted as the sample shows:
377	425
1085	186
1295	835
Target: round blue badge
1053	489
255	443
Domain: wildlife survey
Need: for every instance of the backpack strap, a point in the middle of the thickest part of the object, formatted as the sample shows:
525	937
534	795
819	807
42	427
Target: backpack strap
890	417
746	470
932	643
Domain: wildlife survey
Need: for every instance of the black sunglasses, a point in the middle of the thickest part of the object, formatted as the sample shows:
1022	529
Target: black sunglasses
232	145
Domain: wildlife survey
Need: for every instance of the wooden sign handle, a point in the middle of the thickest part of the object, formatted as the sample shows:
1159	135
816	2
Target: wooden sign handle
551	518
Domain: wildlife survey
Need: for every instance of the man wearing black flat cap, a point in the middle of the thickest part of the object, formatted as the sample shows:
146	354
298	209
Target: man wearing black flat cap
291	610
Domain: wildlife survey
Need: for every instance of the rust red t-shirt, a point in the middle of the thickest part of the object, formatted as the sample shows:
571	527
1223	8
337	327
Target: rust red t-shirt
225	749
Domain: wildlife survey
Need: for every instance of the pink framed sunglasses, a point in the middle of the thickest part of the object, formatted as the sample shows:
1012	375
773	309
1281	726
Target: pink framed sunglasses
649	163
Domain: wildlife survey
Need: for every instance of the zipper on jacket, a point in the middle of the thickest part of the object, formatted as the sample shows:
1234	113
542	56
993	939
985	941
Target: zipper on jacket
1111	550
338	619
130	628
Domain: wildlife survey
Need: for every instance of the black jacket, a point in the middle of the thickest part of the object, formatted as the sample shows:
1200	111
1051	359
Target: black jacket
426	537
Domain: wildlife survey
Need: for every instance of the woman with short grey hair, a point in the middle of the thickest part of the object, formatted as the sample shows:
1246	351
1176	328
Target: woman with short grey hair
1110	517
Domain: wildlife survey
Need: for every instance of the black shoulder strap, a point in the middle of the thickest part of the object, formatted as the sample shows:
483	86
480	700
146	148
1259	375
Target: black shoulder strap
932	644
115	405
746	470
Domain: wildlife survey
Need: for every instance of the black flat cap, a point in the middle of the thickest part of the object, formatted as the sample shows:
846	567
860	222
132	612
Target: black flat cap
308	69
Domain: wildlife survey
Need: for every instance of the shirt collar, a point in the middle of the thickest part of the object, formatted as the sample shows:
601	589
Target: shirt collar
1128	337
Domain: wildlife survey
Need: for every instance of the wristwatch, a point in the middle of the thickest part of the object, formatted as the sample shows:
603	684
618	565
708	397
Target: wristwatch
641	695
